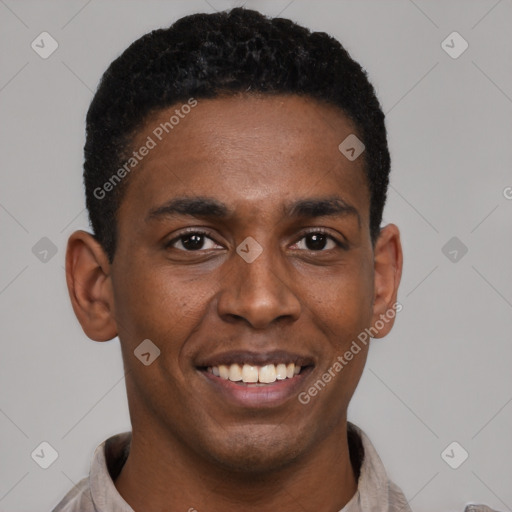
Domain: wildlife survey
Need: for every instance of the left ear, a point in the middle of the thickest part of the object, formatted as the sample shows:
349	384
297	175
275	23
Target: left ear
388	261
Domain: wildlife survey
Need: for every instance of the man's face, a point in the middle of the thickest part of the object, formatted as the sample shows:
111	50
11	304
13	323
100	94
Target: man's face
259	165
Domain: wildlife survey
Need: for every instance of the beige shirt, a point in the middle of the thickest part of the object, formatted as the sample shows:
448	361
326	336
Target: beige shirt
375	492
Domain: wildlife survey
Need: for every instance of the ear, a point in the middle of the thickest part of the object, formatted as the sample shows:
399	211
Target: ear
388	261
90	286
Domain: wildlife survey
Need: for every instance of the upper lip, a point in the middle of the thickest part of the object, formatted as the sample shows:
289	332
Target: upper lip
242	357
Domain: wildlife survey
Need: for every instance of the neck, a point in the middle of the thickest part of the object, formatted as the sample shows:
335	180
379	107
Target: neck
161	474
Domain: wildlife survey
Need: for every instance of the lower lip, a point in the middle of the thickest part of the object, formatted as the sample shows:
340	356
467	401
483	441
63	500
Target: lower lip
269	395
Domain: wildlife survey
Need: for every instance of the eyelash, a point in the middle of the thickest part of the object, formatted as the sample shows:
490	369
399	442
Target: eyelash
196	231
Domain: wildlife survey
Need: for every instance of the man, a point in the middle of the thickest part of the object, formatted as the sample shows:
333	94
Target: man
236	170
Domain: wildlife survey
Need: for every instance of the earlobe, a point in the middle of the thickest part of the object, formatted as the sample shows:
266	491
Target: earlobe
388	263
90	286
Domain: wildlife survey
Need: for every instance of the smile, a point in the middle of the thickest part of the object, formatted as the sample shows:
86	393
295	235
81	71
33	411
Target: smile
254	394
251	374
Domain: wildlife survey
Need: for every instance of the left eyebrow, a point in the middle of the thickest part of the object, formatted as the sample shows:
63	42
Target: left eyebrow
321	207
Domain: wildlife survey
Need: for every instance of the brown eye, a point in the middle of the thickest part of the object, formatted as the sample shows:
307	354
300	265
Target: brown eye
318	241
192	241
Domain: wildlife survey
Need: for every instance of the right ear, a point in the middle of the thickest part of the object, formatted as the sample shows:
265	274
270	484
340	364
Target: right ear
90	286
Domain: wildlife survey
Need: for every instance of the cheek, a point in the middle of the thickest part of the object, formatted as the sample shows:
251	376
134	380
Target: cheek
157	305
343	302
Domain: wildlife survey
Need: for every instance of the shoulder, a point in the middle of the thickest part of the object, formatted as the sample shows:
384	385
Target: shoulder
376	491
97	491
78	499
478	508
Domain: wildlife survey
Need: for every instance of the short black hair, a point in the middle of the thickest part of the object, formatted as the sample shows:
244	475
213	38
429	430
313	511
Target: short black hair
208	55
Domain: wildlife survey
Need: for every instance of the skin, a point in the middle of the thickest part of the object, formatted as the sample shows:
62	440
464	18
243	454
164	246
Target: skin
190	448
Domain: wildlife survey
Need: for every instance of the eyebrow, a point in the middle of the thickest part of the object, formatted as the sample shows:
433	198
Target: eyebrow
332	206
208	207
193	206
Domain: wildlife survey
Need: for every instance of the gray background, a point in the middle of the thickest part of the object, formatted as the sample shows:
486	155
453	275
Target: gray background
442	375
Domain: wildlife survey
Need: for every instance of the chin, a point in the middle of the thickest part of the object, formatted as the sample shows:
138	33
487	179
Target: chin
257	449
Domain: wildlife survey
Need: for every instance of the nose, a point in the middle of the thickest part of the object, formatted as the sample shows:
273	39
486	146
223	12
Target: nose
260	292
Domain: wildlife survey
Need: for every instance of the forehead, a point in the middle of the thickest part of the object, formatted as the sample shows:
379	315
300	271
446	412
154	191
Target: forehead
253	152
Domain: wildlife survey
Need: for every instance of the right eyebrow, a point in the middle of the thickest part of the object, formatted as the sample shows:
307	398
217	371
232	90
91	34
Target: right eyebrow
205	207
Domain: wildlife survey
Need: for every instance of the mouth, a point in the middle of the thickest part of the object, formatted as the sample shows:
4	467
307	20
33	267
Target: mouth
252	375
251	380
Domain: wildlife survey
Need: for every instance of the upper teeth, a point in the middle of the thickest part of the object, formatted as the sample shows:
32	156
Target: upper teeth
249	373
